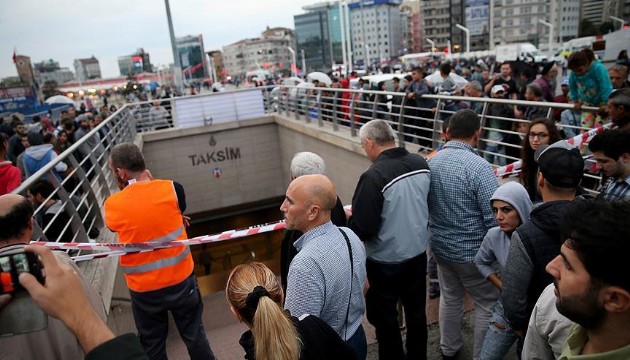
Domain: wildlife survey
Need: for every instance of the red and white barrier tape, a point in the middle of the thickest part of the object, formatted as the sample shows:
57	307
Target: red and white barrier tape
116	249
514	168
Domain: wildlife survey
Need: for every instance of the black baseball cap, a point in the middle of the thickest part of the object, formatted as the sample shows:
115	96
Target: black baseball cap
561	164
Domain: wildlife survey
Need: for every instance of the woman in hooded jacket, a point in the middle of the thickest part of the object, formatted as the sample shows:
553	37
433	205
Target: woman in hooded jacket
511	206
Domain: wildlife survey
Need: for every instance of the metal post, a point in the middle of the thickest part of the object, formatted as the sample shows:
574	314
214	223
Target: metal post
348	38
177	71
293	65
619	20
432	45
467	32
343	38
550	26
303	62
491	25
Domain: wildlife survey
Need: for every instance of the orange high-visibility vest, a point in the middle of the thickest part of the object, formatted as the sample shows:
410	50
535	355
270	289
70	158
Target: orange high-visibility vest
148	212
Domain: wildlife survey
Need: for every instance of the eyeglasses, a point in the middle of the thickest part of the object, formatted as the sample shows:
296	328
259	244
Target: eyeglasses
538	135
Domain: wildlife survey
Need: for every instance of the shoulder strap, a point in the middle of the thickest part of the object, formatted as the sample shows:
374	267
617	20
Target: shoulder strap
351	276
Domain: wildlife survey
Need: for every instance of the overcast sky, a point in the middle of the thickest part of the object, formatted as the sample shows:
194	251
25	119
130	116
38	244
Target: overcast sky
64	30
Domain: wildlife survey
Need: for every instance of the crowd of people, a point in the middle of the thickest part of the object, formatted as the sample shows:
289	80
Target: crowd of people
541	259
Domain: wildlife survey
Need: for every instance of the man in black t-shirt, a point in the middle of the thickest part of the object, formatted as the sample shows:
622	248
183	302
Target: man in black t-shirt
505	79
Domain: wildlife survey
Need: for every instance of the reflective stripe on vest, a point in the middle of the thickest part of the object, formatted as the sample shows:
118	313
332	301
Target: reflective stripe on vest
170	237
158	264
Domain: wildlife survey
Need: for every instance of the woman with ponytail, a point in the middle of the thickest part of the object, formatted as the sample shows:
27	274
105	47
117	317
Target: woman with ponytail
255	297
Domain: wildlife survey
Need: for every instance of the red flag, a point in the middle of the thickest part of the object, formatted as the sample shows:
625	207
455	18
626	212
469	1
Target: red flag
14	57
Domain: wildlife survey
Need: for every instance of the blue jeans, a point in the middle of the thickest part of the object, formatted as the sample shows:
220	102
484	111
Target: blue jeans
500	337
496	149
358	343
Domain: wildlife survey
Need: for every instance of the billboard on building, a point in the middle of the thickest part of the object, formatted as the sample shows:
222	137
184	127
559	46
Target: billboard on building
477	16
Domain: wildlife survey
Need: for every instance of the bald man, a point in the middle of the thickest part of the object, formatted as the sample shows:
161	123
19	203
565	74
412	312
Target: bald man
56	341
327	275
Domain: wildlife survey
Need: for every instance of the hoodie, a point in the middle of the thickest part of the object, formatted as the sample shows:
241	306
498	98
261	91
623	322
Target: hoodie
10	177
496	244
533	245
36	157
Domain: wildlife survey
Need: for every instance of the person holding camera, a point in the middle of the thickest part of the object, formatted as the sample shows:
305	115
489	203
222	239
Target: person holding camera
31	338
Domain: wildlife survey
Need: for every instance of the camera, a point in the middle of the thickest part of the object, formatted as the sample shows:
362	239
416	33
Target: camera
21	315
12	264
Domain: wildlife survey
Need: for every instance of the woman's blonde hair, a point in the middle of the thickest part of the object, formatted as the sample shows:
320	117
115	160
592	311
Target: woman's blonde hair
253	291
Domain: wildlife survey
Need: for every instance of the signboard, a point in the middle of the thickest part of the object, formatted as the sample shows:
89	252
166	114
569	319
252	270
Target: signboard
477	16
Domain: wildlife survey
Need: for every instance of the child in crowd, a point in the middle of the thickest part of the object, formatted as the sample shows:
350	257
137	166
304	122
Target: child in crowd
511	207
589	85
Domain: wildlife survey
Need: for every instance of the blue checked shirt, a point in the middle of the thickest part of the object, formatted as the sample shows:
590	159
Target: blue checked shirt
319	278
460	213
616	189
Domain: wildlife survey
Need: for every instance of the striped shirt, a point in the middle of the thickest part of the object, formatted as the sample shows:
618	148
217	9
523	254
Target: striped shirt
616	189
319	278
462	184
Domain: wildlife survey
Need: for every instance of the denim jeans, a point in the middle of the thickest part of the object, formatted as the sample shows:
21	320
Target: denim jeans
500	337
455	280
496	149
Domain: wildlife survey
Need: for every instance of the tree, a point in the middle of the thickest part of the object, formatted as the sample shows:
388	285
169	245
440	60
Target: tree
587	28
606	27
50	88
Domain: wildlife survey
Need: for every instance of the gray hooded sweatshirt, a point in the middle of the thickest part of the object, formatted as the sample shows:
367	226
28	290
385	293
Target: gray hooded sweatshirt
496	244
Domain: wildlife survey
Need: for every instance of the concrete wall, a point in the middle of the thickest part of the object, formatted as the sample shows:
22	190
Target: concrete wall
255	158
246	154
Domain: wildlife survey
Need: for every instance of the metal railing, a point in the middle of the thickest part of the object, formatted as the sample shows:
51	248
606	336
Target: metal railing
82	190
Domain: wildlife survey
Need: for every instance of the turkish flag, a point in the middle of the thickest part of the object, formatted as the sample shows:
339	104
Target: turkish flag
14	57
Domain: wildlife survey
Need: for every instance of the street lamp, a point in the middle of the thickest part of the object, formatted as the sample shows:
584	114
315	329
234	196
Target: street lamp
621	21
432	45
465	30
293	65
366	48
177	72
550	26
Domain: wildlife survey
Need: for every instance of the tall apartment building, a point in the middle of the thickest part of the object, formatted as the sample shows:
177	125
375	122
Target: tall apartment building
518	21
411	26
567	18
376	30
270	51
318	34
192	56
592	10
87	69
437	24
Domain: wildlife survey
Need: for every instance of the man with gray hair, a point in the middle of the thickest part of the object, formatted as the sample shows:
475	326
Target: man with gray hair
619	108
305	163
390	215
474	89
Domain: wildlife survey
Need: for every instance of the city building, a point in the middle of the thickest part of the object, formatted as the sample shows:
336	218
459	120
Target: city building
87	69
436	15
592	10
518	21
192	57
567	19
318	34
217	69
269	52
135	63
411	26
50	71
476	18
376	31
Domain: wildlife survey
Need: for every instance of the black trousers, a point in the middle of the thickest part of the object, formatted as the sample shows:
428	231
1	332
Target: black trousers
150	312
389	283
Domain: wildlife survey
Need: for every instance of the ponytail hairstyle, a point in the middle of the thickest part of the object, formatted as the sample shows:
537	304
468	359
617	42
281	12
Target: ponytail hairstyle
580	58
253	291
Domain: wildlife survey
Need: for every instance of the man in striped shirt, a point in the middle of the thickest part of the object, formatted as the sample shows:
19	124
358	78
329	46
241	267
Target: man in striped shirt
611	152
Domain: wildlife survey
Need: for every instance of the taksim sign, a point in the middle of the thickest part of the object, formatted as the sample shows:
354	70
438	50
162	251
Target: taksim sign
217	156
